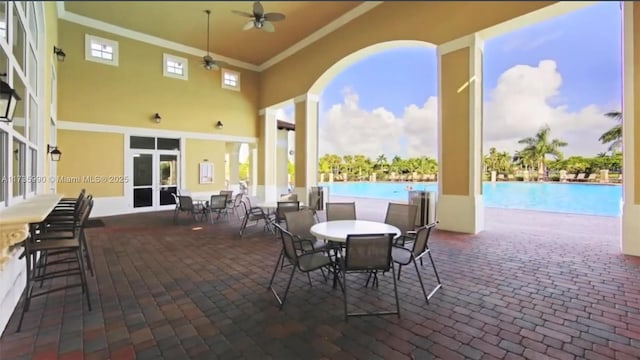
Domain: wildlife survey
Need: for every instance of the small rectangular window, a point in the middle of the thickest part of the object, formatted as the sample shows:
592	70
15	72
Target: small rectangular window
101	50
230	79
168	144
175	67
140	142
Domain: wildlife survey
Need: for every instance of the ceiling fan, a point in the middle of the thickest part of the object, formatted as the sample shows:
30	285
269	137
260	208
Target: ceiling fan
207	60
260	20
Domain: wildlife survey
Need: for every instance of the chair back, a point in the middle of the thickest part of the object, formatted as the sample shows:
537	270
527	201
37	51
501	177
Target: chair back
314	201
288	244
289	197
421	242
285	207
368	252
218	201
402	216
237	199
341	211
227	193
300	222
186	203
175	198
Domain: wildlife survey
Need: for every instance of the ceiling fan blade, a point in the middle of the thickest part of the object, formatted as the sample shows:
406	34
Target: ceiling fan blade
248	25
215	67
220	63
258	10
268	26
242	13
274	16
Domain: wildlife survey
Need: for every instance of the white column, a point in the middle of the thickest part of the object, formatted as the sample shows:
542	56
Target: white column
282	162
630	242
460	207
233	152
267	189
306	154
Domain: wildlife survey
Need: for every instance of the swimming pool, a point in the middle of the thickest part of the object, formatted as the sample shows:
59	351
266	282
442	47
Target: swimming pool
591	199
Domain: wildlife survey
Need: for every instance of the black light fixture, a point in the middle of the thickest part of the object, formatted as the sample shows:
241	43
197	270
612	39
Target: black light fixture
8	100
157	118
55	153
59	53
219	125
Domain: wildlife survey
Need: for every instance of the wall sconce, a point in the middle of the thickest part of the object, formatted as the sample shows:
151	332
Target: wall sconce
8	100
55	153
157	118
219	125
59	53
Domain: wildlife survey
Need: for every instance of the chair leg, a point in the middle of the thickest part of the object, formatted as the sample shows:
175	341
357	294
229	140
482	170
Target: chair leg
399	270
243	226
309	278
83	244
286	291
275	269
83	276
28	290
433	265
419	279
395	288
344	292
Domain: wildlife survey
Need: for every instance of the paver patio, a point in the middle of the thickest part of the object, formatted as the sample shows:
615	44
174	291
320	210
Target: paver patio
533	285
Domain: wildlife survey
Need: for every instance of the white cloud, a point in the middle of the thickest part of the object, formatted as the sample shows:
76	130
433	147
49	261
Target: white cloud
525	99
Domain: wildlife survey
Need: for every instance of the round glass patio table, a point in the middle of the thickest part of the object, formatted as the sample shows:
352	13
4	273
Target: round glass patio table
339	229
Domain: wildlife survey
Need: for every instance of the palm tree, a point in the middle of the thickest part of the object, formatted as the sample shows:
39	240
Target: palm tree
613	135
539	146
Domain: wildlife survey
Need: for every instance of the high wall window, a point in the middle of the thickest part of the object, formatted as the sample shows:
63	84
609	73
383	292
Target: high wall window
175	67
230	79
20	59
101	50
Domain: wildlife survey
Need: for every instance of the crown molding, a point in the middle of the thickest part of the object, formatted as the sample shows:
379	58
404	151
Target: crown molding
149	39
153	40
320	33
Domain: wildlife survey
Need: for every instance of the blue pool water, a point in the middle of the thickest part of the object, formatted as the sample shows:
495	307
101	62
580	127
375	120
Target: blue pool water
591	199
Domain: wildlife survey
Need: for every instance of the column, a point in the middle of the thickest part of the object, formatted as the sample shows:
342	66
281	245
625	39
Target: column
233	153
253	169
282	162
306	155
266	189
630	243
459	206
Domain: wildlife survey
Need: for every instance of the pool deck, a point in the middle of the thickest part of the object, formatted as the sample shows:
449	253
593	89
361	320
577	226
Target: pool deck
593	229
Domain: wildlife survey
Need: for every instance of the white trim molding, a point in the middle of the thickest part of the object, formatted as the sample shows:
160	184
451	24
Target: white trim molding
82	126
306	96
149	39
320	33
473	40
153	40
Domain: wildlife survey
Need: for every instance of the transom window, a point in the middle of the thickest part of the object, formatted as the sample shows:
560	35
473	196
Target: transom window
230	79
175	66
101	50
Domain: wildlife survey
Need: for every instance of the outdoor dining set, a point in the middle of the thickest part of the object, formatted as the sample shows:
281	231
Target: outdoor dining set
340	246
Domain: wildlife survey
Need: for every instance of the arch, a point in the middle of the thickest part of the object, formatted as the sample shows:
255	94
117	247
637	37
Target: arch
358	55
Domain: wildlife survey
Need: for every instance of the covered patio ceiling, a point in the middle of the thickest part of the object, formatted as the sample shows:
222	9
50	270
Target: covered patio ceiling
184	22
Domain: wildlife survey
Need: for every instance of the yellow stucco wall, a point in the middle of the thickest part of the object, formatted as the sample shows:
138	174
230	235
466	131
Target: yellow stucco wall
435	22
198	151
51	40
636	105
130	93
454	167
91	154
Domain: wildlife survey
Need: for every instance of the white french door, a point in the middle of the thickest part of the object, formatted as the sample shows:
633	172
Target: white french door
155	178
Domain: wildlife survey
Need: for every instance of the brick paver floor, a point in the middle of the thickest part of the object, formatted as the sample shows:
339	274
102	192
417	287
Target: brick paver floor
533	285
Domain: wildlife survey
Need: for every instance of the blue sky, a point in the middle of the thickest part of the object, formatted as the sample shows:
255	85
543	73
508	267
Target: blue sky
567	72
